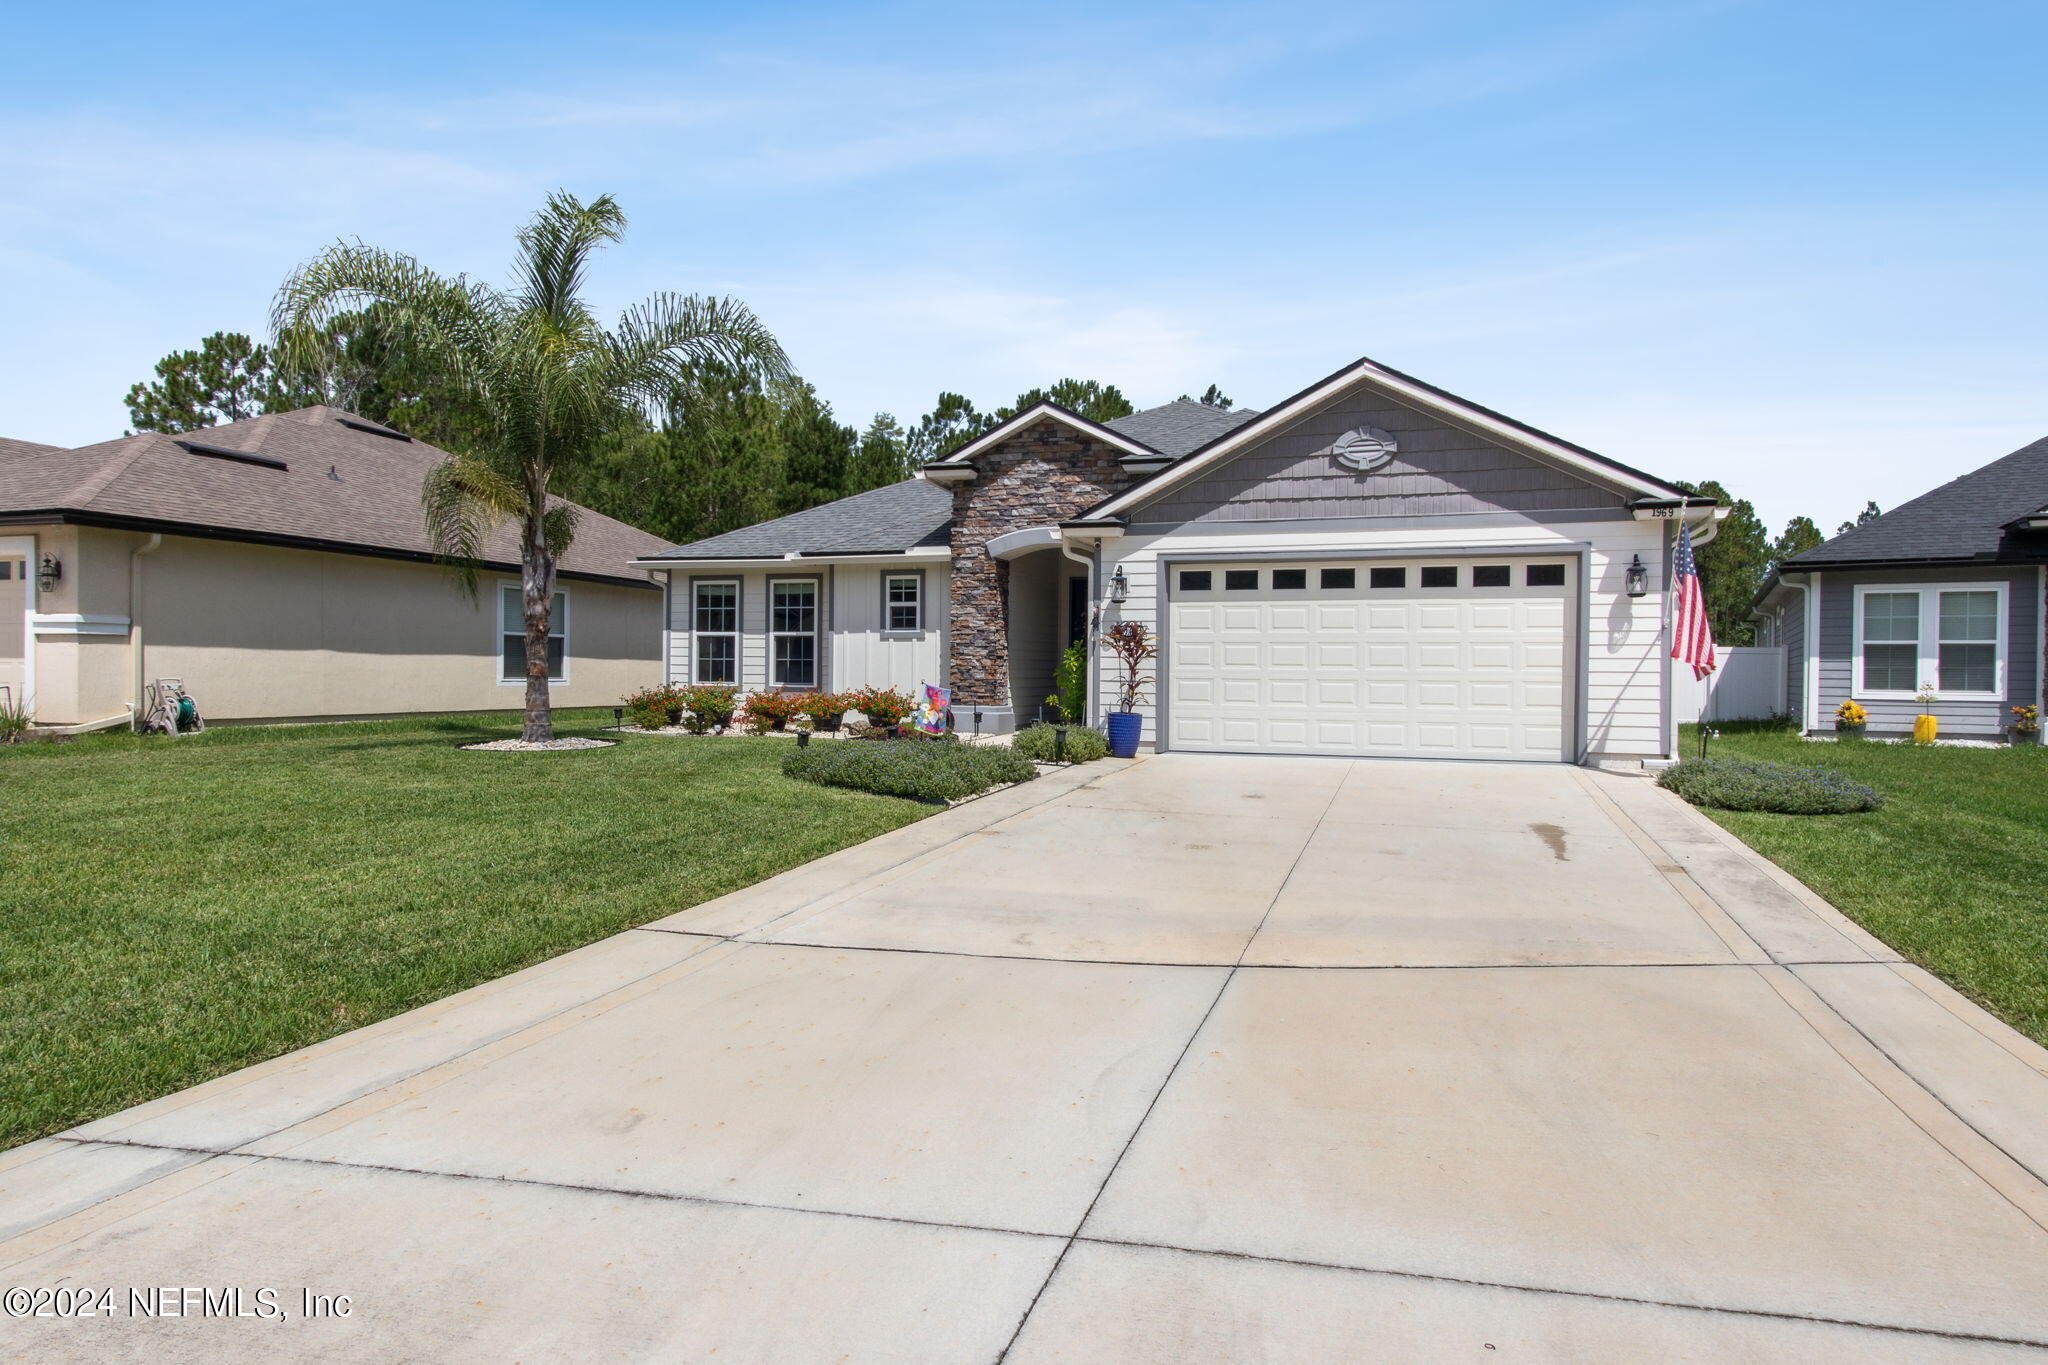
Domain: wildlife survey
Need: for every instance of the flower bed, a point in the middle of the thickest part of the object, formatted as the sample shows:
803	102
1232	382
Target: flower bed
1737	784
920	769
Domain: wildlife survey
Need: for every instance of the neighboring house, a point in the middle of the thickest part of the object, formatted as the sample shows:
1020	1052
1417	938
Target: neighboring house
1373	566
280	567
1946	591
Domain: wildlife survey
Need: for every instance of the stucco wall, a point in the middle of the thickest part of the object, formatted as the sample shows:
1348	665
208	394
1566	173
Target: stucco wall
263	633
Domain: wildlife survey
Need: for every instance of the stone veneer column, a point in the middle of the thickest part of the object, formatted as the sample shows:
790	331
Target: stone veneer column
1041	476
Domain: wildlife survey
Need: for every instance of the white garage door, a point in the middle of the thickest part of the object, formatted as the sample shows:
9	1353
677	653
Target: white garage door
1438	658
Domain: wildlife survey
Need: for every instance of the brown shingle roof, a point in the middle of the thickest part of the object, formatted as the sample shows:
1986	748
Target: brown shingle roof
341	486
10	448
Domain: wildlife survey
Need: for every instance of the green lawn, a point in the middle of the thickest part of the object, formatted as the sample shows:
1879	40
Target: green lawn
171	910
1953	872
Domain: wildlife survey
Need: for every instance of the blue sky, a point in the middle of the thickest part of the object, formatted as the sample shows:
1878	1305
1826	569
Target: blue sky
1796	247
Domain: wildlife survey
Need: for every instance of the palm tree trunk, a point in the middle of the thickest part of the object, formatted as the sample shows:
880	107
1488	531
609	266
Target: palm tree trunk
537	591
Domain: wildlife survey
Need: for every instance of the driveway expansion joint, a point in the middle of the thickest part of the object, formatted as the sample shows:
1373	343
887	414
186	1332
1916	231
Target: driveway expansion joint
1556	1291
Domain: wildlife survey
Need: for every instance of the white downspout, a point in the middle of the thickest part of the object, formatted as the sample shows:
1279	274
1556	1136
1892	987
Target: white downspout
139	674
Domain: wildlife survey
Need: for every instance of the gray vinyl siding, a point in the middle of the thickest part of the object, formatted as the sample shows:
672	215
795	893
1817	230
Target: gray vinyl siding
1959	719
1792	635
1440	470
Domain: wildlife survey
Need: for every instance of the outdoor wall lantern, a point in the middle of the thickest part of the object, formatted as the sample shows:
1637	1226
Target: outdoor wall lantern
1638	577
52	573
1119	586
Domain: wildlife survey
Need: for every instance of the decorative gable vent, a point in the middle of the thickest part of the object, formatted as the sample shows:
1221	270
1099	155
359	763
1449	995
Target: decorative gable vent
1362	448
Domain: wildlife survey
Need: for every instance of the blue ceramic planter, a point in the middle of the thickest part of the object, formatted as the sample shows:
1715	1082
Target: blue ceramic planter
1124	728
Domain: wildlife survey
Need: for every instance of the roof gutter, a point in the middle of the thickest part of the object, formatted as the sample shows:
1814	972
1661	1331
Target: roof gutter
934	554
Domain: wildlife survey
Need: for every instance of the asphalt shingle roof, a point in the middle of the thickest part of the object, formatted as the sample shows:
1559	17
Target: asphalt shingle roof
900	516
1180	426
916	513
13	449
1963	519
341	486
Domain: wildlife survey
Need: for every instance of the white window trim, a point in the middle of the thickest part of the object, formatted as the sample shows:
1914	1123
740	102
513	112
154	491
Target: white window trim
816	634
916	578
738	619
1928	653
557	625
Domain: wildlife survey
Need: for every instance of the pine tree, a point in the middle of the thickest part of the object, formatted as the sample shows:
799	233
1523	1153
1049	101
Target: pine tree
1799	536
817	451
1869	513
727	460
227	379
1096	401
1732	565
1212	397
952	423
883	457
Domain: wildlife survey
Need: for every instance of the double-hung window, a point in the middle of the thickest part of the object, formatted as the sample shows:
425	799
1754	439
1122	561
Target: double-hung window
793	632
902	602
715	631
512	636
1948	637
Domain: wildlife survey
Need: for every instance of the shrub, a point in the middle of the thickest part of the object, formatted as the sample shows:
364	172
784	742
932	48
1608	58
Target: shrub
1070	684
708	706
883	706
1040	744
767	711
13	720
1734	784
920	769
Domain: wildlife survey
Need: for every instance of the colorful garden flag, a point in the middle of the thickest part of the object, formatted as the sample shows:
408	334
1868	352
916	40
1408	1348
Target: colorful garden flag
930	716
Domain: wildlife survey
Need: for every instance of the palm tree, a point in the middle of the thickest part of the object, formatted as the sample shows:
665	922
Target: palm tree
545	380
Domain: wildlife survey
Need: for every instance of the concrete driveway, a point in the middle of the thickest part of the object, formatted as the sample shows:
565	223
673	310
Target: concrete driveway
1194	1059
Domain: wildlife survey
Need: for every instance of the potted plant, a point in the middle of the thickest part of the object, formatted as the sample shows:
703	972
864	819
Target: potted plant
1850	720
2026	725
1925	725
652	708
825	709
1132	645
708	707
768	711
884	707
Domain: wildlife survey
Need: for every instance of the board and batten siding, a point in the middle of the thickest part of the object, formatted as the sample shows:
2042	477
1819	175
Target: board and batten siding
855	651
863	654
1971	719
1623	653
1439	470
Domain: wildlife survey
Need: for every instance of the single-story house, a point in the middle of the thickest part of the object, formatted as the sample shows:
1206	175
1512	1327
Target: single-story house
1373	567
1944	592
280	568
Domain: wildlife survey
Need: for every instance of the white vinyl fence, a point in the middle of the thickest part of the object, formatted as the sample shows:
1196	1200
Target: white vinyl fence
1749	685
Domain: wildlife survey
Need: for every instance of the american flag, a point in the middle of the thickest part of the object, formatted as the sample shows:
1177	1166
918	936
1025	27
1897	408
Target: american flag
1692	636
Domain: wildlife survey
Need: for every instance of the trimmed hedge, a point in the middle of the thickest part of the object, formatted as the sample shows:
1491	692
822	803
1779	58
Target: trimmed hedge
1737	784
1039	743
920	769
